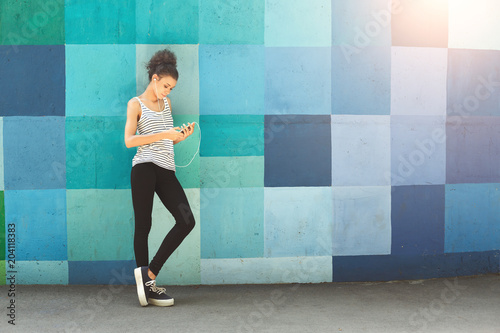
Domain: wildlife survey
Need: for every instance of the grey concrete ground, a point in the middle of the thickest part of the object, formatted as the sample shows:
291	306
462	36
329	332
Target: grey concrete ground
466	304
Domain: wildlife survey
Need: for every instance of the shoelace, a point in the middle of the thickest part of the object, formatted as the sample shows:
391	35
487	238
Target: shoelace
152	285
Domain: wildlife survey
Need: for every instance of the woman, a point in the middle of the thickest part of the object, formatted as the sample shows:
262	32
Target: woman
150	128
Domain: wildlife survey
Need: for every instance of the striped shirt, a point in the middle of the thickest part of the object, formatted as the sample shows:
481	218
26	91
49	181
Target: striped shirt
160	152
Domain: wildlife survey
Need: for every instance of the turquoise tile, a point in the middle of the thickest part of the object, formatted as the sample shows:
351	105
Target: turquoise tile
42	272
362	220
232	135
298	23
40	222
96	155
100	225
232	22
472	218
183	266
100	22
361	150
298	221
185	97
100	79
232	222
172	22
232	172
232	79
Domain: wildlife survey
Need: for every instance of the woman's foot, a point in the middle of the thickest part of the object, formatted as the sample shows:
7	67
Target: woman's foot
142	280
158	296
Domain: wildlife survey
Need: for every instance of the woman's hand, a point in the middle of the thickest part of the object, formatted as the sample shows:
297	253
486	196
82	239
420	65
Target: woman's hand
173	134
186	130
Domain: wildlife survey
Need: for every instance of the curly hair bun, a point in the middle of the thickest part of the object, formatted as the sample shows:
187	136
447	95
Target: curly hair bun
163	63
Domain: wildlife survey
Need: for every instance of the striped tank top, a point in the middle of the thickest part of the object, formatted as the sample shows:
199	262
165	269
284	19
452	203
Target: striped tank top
160	152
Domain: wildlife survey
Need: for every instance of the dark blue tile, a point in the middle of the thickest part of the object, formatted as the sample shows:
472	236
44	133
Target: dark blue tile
297	150
412	267
102	272
33	80
472	150
418	219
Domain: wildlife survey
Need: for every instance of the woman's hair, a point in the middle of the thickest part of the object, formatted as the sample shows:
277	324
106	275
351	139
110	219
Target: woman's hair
163	63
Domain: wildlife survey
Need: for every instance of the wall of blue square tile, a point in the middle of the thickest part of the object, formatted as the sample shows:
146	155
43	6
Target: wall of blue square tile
341	140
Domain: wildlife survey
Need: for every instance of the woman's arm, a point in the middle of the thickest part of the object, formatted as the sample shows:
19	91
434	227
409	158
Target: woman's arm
134	140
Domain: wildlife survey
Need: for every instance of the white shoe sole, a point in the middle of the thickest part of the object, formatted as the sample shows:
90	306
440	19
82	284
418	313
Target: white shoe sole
169	302
140	287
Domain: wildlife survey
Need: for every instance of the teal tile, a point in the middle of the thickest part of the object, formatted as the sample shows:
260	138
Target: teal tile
100	79
233	172
173	21
183	266
34	22
232	135
232	22
188	151
96	155
298	23
42	272
100	225
100	22
232	223
185	97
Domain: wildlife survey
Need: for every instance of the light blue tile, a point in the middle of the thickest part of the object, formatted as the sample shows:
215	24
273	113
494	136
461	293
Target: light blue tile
362	220
418	81
472	217
100	79
418	150
34	153
42	272
185	97
362	84
298	23
267	270
233	223
40	219
298	221
361	150
359	23
232	79
298	80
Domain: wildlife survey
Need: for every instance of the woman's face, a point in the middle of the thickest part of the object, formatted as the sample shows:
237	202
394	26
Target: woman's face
164	86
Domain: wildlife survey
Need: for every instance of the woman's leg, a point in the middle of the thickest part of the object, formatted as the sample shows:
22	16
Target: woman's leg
142	180
172	195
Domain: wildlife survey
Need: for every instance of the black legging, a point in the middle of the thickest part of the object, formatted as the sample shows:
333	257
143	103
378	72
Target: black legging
146	179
